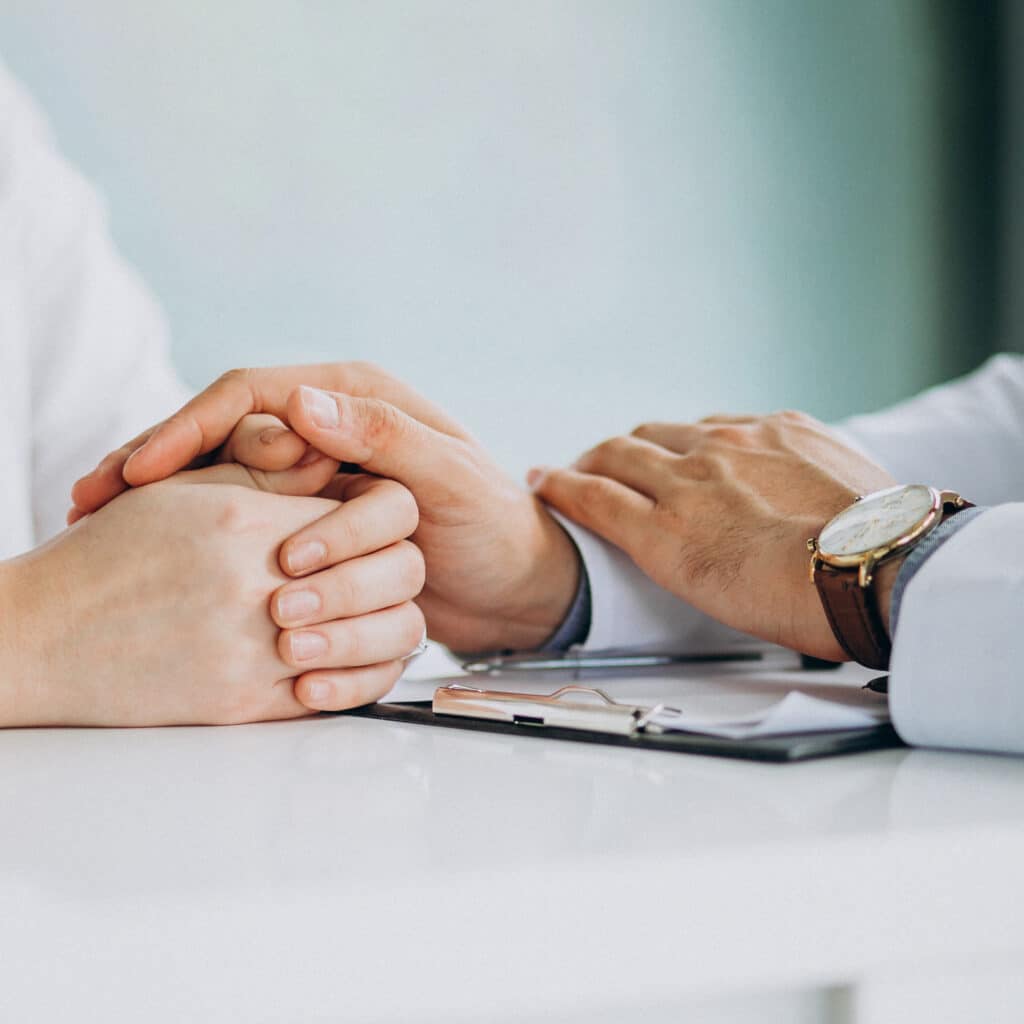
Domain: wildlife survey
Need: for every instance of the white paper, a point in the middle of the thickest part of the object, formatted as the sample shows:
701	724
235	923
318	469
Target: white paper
795	713
737	700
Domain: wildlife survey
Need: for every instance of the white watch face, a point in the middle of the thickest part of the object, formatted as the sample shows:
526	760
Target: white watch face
877	521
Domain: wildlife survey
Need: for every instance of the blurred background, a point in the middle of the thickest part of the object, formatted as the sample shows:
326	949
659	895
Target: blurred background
557	219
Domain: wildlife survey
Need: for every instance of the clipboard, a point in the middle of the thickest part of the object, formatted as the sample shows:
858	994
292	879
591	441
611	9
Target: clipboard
611	723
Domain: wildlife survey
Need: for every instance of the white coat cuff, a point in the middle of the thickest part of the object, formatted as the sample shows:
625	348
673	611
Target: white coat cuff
955	670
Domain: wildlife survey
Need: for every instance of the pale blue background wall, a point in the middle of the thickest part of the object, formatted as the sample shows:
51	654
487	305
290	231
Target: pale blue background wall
557	218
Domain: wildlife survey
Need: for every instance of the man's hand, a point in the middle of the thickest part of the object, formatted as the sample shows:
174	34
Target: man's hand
719	513
501	573
157	609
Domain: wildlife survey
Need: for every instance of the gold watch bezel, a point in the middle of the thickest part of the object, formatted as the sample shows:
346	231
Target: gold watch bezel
865	562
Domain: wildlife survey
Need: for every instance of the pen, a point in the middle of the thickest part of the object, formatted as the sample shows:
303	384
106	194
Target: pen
579	662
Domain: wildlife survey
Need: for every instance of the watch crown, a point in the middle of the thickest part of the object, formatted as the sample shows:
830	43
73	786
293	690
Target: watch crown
812	544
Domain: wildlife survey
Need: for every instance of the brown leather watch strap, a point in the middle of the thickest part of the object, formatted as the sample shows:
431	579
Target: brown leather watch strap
852	610
853	614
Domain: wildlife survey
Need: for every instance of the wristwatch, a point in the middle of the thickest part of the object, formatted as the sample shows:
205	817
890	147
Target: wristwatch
844	556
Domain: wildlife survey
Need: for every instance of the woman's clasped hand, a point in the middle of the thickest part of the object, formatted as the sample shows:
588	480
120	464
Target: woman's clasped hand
170	605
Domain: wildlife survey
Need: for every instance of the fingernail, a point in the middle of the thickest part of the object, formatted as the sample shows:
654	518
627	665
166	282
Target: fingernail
294	605
534	478
317	693
311	456
322	409
305	646
271	434
305	556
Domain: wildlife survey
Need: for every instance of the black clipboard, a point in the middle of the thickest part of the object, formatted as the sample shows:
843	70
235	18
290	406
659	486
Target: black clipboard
778	749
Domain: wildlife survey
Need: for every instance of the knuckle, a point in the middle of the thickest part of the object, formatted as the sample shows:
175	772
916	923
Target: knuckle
793	416
414	568
344	376
342	593
358	377
413	623
609	450
702	465
402	505
593	491
232	515
618	445
382	421
645	431
409	510
347	642
365	368
235	376
730	435
346	532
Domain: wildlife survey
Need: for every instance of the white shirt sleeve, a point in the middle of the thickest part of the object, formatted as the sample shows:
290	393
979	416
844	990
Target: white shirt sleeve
99	370
955	678
967	435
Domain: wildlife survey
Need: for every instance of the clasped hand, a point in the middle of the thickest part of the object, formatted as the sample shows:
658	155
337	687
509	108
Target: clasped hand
718	512
500	572
170	606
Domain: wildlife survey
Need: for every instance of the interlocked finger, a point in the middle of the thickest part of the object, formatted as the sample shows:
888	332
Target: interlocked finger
387	635
355	587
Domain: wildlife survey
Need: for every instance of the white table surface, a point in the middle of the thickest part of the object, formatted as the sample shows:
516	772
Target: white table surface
343	869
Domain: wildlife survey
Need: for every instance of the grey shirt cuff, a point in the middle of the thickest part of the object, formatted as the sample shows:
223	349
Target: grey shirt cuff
575	626
920	554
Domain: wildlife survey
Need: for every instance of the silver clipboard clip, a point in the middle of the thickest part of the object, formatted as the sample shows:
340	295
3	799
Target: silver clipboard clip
598	714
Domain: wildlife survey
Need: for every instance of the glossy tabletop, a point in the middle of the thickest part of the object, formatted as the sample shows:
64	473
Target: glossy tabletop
347	869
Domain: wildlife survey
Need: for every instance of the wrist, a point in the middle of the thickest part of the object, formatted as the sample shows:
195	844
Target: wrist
25	687
12	673
541	598
8	621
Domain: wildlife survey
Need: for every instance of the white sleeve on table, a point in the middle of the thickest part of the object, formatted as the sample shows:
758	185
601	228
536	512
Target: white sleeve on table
956	675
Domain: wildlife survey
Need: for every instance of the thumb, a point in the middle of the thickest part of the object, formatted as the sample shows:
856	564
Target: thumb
383	440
